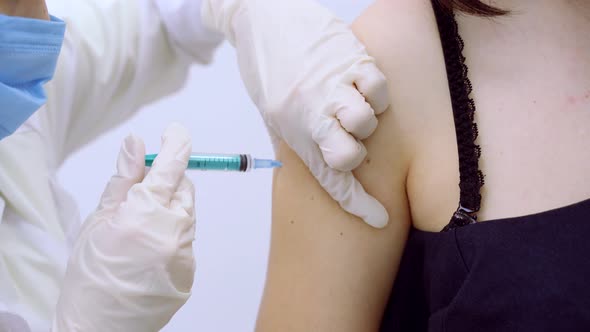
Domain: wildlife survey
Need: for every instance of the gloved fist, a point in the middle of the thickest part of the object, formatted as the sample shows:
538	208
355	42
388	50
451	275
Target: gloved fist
315	85
132	266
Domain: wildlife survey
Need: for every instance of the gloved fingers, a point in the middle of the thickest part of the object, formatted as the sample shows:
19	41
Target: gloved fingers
184	197
352	197
372	84
353	112
130	170
182	264
169	167
340	150
181	271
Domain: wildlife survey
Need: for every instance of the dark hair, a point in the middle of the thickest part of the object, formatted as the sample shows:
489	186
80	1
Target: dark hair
475	7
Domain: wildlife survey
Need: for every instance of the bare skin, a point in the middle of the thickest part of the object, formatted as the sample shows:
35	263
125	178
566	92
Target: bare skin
36	9
531	76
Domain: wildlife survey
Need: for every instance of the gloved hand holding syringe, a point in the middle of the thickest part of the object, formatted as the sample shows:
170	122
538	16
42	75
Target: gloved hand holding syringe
222	162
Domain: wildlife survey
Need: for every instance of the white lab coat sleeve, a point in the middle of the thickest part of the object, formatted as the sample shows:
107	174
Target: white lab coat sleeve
182	19
116	58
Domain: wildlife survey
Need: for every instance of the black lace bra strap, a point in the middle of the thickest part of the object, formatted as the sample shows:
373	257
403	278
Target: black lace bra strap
471	178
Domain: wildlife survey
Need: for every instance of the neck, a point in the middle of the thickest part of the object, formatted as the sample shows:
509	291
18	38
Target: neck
557	7
538	37
36	9
560	20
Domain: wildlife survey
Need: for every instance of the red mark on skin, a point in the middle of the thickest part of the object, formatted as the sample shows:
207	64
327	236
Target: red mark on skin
571	100
582	98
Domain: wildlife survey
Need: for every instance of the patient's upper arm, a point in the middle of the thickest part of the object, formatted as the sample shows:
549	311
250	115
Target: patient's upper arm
328	271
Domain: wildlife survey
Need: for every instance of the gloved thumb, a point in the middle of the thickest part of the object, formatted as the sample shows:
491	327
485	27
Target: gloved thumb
275	139
130	171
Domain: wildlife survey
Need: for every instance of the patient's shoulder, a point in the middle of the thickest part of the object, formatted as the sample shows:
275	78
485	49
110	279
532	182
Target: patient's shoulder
403	37
402	30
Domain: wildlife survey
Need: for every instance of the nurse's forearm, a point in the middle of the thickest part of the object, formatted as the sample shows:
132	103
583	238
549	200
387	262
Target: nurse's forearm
25	8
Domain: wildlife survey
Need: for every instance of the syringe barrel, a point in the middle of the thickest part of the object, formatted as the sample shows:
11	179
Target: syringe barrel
215	162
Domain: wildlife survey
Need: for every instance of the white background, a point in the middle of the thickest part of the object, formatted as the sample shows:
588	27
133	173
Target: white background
233	210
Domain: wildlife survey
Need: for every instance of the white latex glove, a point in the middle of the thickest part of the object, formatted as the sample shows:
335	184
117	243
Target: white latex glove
132	266
315	85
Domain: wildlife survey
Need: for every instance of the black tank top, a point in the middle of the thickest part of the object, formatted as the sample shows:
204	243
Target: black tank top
529	273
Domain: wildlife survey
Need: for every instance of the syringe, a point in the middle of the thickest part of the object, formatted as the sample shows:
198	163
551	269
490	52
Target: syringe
222	162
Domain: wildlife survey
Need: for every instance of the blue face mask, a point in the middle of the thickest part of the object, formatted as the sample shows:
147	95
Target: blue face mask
29	49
